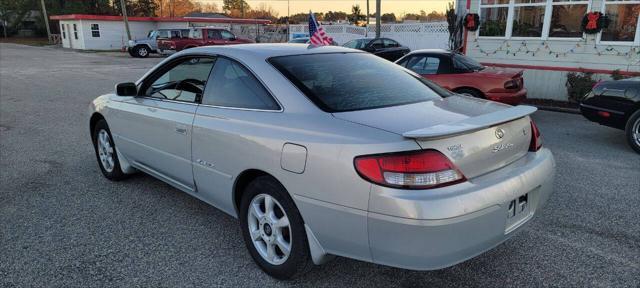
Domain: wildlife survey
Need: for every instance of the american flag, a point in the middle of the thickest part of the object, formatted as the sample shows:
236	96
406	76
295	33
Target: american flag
316	33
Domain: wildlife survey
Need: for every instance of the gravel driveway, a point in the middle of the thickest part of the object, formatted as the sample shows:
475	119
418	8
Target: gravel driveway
64	225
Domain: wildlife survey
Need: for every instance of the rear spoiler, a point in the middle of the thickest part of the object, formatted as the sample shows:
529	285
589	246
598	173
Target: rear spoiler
471	124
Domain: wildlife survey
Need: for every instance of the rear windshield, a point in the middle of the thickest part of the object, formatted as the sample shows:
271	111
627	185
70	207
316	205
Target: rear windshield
340	82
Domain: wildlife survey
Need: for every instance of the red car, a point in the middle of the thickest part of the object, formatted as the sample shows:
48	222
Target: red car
190	38
464	75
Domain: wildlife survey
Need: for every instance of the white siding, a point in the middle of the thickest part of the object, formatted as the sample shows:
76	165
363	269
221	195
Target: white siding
69	41
550	84
113	35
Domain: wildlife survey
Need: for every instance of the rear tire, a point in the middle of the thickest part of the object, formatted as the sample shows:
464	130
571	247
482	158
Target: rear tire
106	152
264	230
632	131
470	92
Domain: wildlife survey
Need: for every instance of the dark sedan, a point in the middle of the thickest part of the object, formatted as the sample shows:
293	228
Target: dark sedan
383	47
616	104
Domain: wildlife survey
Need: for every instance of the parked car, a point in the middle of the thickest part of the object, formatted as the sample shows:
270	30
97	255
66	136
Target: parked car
616	104
463	75
199	37
317	158
306	40
143	47
384	47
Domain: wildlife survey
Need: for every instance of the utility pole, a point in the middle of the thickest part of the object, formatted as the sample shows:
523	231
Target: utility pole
367	31
378	5
242	8
288	26
126	20
46	21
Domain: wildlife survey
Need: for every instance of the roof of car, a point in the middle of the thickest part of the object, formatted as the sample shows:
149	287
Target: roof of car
270	50
433	51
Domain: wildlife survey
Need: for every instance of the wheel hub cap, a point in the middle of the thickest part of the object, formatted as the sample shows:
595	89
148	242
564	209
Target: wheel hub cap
269	229
105	151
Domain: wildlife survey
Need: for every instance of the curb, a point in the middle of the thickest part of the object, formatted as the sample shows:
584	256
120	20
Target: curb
557	109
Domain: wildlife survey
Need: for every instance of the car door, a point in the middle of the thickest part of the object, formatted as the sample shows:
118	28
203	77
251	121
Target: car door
225	129
377	47
395	50
153	130
229	38
430	66
214	37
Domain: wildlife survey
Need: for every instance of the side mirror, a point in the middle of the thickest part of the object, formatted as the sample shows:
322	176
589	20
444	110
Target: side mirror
127	89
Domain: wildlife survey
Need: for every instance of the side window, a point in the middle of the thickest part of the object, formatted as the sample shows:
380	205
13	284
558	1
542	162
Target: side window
232	85
214	34
377	44
196	34
175	34
184	33
226	35
183	82
424	64
95	30
388	43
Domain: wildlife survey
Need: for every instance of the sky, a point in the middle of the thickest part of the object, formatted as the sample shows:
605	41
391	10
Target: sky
399	7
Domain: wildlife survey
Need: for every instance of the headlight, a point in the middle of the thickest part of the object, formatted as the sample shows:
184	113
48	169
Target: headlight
131	43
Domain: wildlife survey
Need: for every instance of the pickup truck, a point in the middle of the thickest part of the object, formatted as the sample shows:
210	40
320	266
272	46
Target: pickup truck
199	37
141	48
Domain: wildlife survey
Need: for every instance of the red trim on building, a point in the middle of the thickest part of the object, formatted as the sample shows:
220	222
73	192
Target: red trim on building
159	19
558	68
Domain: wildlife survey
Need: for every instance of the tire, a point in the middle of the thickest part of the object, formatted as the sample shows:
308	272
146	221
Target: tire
470	92
632	131
142	51
130	50
102	135
265	229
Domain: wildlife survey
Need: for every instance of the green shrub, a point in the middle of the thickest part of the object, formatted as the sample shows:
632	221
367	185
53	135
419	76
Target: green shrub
578	85
615	75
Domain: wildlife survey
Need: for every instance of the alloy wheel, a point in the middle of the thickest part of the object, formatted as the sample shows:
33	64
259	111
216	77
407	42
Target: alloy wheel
142	51
635	132
105	150
270	229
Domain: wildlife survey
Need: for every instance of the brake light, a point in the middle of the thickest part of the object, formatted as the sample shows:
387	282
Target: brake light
410	170
511	84
536	138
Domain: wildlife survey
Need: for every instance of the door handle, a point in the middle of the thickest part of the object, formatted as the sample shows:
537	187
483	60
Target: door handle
181	130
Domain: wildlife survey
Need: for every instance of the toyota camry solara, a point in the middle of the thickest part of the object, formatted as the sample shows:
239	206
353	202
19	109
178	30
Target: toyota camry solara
329	151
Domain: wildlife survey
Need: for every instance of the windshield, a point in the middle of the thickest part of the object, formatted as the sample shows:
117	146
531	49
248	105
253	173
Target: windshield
339	82
462	61
357	44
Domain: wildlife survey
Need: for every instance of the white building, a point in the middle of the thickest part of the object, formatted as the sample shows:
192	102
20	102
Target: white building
99	32
544	37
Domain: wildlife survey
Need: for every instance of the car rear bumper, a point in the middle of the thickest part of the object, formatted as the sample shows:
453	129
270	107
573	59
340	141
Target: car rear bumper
508	97
433	229
596	114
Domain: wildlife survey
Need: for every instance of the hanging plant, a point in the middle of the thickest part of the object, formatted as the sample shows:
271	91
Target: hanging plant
471	21
594	22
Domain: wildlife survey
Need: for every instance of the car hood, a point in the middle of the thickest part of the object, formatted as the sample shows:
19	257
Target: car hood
405	118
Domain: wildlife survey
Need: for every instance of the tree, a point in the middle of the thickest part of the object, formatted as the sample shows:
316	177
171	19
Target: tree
263	11
332	16
143	8
235	8
388	18
12	12
356	14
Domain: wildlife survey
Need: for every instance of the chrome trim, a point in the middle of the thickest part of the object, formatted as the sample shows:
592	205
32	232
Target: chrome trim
243	109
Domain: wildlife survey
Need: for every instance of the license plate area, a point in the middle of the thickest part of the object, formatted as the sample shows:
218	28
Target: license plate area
518	212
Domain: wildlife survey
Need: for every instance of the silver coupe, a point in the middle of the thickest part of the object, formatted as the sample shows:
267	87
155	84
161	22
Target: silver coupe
329	151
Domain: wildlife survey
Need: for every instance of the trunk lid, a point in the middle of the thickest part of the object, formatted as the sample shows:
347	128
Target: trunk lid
479	136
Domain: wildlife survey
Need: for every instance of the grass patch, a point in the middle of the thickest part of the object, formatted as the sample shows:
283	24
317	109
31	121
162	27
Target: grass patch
31	41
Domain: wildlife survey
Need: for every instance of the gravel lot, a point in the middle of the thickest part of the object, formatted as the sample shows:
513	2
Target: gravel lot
63	224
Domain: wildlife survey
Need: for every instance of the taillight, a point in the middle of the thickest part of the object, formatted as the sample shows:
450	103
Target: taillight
536	138
410	170
511	84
